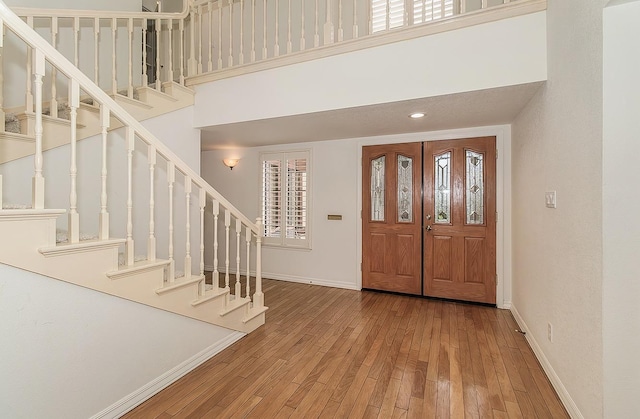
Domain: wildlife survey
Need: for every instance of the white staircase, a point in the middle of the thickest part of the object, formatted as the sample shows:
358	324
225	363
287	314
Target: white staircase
111	122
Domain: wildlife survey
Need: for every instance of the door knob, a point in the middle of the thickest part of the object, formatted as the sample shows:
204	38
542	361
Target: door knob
428	228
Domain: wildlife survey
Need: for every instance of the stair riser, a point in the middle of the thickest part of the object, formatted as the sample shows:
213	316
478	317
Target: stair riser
29	235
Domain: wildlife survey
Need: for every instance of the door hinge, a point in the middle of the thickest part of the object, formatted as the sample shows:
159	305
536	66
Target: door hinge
496	216
360	266
496	154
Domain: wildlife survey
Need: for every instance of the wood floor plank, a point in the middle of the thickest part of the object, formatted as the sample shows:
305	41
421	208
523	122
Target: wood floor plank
335	353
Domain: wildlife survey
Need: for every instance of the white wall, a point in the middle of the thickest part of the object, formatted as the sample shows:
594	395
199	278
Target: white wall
506	52
70	352
557	265
334	259
621	206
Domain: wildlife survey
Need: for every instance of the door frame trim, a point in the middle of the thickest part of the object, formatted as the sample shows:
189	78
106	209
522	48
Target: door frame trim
503	195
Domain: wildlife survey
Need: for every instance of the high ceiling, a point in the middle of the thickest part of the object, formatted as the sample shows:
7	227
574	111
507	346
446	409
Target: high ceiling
479	108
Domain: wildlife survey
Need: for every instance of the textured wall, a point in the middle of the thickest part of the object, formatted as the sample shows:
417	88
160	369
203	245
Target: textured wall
557	145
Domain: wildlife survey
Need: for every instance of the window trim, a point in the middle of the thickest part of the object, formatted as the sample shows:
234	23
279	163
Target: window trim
283	157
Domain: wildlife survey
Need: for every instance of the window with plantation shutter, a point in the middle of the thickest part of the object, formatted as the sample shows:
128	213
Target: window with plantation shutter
285	198
390	14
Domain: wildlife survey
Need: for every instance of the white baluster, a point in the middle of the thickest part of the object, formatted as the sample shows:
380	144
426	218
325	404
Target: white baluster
171	179
182	42
158	48
230	59
253	30
328	25
114	74
151	245
76	43
316	35
203	203
340	31
2	114
241	54
200	39
53	104
0	192
302	40
170	42
103	233
96	51
187	258
227	225
355	19
276	47
29	92
193	64
130	86
74	217
264	29
37	198
289	44
247	238
238	284
145	76
210	14
220	36
258	297
216	274
131	146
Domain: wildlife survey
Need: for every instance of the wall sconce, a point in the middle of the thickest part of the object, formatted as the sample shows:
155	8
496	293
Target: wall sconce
230	163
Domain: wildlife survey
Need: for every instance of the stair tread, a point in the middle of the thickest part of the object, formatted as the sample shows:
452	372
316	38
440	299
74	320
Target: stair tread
179	283
235	304
16	136
63	248
138	266
254	312
209	295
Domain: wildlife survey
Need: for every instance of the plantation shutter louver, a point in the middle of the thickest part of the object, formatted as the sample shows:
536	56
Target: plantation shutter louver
390	14
285	189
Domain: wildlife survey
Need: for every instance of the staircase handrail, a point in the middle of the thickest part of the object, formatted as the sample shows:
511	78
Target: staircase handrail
32	38
104	14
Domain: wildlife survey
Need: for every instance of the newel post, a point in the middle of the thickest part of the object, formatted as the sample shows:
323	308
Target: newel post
37	198
258	297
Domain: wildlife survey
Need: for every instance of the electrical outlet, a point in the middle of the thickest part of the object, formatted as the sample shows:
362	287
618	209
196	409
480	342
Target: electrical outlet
550	332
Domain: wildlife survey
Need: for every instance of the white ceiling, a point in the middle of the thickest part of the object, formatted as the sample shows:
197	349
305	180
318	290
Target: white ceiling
479	108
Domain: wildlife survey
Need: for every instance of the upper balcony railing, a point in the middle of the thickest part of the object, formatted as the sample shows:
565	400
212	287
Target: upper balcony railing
212	39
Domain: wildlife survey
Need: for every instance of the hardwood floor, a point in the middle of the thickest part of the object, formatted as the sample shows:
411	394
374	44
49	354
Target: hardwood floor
333	353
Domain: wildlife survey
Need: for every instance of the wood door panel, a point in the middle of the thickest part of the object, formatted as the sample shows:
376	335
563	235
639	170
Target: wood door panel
474	258
465	270
378	251
442	258
405	254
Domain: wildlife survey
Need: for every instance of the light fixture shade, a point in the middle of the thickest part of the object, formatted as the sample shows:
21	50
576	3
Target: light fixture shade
230	163
416	115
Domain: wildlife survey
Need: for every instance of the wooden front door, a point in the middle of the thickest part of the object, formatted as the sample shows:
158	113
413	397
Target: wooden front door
460	219
434	236
392	218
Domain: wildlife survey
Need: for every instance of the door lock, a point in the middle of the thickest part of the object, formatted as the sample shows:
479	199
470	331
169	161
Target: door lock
428	228
428	216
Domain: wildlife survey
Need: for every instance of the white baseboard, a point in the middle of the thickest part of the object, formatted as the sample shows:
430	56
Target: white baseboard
564	395
313	281
290	278
132	400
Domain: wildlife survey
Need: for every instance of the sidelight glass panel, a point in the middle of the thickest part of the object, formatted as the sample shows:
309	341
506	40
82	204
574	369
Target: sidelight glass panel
405	189
442	185
474	174
377	189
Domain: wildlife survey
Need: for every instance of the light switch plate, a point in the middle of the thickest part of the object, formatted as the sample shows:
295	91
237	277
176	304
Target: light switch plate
550	199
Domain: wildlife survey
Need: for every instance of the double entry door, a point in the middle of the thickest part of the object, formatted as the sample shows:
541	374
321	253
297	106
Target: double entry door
429	218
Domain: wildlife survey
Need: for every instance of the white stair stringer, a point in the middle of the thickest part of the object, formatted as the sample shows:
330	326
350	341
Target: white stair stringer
94	264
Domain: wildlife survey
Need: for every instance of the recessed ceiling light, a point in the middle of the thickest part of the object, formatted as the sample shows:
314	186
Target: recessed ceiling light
416	115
